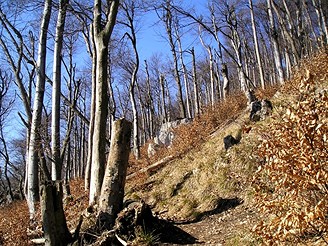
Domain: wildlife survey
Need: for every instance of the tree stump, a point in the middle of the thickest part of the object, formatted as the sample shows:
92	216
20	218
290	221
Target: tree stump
112	191
53	217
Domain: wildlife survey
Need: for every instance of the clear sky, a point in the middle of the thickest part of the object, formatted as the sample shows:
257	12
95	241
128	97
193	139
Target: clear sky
151	36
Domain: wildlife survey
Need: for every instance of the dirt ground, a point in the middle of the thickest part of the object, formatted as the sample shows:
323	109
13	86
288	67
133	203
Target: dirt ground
229	224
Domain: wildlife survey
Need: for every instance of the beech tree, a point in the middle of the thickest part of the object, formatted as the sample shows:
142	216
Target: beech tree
195	84
168	18
102	30
56	90
35	148
112	191
149	105
129	8
5	106
256	44
178	35
17	65
322	17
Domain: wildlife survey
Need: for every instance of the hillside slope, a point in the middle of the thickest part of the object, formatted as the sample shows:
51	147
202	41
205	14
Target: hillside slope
205	191
208	192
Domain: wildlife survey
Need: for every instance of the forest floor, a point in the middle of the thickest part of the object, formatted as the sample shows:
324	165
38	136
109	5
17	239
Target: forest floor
205	192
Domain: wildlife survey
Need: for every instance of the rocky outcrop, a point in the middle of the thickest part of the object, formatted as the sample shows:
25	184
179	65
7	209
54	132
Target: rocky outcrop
165	135
260	110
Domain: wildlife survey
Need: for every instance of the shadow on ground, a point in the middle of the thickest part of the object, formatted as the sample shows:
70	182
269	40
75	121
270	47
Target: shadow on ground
171	234
223	204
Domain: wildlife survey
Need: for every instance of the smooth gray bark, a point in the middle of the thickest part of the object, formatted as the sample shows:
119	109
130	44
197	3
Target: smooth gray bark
256	45
35	143
275	44
56	165
102	34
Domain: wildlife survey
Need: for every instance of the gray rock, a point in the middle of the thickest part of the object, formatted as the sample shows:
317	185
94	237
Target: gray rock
260	110
166	133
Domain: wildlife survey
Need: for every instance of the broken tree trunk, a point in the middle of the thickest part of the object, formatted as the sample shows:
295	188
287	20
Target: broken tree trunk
53	217
112	191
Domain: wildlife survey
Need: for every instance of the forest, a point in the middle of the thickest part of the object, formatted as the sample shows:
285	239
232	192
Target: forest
75	73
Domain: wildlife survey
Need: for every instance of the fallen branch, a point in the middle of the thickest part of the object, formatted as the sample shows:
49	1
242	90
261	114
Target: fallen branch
152	167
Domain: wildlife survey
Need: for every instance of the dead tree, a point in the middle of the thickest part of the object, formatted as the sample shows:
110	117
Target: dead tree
112	191
53	217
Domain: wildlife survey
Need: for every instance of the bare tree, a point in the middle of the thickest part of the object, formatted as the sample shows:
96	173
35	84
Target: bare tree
129	8
56	91
5	107
256	45
149	104
168	18
322	20
275	44
178	35
102	30
16	63
195	83
35	138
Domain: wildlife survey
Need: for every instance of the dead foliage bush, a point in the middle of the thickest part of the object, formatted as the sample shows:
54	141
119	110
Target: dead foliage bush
292	182
266	93
190	136
317	64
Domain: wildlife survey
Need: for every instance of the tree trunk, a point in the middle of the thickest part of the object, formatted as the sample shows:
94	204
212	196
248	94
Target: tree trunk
150	104
112	192
136	150
129	9
56	90
92	118
165	116
102	33
275	44
53	217
195	82
288	34
224	71
256	45
322	21
34	144
184	71
168	25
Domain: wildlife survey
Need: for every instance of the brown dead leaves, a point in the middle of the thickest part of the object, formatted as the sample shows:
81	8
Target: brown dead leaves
292	184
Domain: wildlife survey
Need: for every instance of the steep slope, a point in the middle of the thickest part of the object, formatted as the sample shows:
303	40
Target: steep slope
200	189
207	191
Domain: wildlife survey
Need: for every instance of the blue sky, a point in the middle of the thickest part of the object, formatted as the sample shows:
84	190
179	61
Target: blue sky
151	38
150	41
